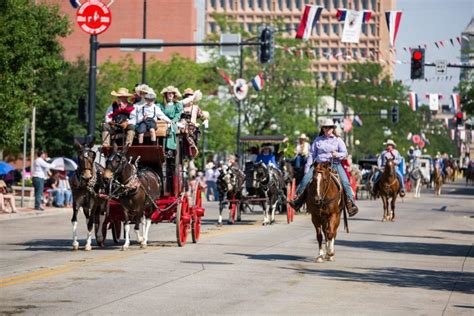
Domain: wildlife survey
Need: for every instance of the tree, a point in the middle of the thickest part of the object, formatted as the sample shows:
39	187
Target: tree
466	91
30	52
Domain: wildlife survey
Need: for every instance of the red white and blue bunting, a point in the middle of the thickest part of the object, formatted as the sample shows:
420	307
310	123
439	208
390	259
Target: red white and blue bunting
393	23
308	21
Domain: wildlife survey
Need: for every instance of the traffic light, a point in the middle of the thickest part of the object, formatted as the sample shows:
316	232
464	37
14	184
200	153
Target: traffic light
265	50
459	119
417	64
395	114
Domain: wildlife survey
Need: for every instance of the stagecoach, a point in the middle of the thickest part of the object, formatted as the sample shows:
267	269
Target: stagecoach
277	141
175	205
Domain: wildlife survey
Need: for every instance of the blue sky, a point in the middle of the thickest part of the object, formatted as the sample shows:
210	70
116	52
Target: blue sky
427	21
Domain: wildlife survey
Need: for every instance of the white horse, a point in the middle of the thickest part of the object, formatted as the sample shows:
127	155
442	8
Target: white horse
418	179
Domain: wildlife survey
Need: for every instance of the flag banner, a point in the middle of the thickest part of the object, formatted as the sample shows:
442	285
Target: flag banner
452	41
308	21
393	22
347	125
342	13
441	43
257	82
451	133
225	76
75	3
462	135
352	27
458	39
358	120
409	136
437	46
413	100
455	103
434	101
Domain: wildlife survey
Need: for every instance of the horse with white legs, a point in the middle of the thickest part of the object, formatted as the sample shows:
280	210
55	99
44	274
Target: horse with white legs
438	180
84	184
418	179
135	189
388	187
272	187
325	202
230	185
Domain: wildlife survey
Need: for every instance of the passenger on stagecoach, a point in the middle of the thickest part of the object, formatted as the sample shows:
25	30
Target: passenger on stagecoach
140	91
147	115
252	154
390	153
191	113
302	151
327	147
266	156
121	115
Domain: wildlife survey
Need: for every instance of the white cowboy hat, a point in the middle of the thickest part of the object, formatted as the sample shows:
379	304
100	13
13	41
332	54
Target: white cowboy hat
267	147
327	122
188	91
121	92
150	96
142	88
210	165
303	136
172	90
390	142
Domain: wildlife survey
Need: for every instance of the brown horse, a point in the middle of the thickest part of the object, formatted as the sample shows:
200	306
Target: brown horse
388	187
438	180
135	189
325	201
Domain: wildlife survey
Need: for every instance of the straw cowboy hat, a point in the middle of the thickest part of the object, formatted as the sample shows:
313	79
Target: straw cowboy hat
188	91
303	136
327	122
210	165
121	92
390	142
172	90
142	88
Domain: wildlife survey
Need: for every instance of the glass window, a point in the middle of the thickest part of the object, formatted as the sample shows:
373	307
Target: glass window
289	4
295	26
354	52
334	51
280	5
223	4
373	31
251	4
242	5
356	5
212	26
269	4
326	4
213	4
363	52
365	4
334	76
326	28
231	4
364	28
298	4
324	74
325	51
336	4
335	28
372	4
250	27
260	4
344	4
288	27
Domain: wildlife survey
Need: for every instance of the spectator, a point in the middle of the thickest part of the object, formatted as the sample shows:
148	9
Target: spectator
40	173
210	181
5	197
64	194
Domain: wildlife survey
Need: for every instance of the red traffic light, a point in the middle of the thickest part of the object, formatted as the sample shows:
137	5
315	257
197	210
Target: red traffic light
417	55
459	115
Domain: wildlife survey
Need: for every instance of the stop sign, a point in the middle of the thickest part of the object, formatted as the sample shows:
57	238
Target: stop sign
94	17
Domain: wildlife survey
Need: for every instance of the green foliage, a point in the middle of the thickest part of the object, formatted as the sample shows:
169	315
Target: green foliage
466	90
30	53
58	114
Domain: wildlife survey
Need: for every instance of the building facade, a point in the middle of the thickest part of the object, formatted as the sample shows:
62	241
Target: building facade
467	49
329	54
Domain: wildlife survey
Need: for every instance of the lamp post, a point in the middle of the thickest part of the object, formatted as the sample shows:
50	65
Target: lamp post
144	36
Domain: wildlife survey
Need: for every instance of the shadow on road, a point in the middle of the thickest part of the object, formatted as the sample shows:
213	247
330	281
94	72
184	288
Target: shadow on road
272	257
462	282
464	232
415	248
58	245
392	235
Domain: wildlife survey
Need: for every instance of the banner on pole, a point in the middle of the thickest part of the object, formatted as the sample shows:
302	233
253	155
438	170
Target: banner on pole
352	26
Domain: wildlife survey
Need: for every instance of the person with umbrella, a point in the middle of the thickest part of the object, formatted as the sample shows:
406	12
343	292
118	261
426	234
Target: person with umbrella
40	173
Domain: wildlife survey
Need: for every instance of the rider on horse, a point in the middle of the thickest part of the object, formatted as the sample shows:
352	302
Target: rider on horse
390	153
328	146
439	162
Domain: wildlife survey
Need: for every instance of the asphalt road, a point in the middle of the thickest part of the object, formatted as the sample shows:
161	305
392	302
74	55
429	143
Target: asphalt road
421	264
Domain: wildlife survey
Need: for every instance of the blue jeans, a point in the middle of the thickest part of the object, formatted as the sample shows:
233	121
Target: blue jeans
400	178
38	184
211	185
342	175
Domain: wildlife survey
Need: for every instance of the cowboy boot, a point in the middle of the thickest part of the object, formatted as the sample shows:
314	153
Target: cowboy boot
352	209
402	192
105	138
298	201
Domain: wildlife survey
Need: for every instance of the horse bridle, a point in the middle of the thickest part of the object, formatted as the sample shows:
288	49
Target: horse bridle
266	177
322	199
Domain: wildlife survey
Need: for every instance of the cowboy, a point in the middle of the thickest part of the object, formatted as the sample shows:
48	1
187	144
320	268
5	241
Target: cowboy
438	162
328	146
391	153
302	151
147	116
141	90
120	115
266	156
192	112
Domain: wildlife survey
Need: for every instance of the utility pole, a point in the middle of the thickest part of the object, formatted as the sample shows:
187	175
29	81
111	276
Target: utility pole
335	97
144	37
25	140
239	107
33	135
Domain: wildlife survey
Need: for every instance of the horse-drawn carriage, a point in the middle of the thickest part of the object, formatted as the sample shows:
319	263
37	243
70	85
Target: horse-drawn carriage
266	185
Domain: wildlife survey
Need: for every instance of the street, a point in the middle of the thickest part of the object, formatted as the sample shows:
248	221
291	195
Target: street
421	264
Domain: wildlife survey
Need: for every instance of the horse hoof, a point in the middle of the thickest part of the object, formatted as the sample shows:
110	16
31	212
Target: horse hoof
319	260
124	248
101	244
75	247
219	224
143	245
330	259
230	223
87	248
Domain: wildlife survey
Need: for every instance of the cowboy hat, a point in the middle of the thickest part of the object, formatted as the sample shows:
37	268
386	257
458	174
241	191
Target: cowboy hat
210	165
303	136
188	91
267	146
150	96
327	122
390	142
121	92
142	88
172	90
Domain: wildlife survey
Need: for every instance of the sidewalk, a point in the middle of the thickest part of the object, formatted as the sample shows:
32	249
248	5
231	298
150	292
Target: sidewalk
31	212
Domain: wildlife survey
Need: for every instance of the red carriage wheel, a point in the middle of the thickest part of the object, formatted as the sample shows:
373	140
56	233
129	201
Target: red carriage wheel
288	206
293	195
233	210
183	220
198	212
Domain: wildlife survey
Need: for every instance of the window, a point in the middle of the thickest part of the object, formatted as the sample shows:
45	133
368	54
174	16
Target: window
250	27
251	4
365	4
295	27
363	52
334	76
344	4
364	28
343	76
231	5
288	27
212	26
326	28
356	5
335	28
373	30
354	52
242	4
325	51
334	51
298	4
373	5
223	4
260	4
213	4
280	5
336	4
269	4
324	75
326	4
289	4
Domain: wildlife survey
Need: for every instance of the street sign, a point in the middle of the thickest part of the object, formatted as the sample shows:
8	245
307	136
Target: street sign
240	89
230	50
383	114
94	17
141	41
441	67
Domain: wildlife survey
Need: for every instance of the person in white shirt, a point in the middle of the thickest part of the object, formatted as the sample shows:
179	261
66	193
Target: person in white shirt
147	115
40	173
121	115
302	151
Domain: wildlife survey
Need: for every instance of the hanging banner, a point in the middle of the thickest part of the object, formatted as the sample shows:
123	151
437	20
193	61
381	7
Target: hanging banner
413	100
434	102
455	103
352	27
393	22
308	21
